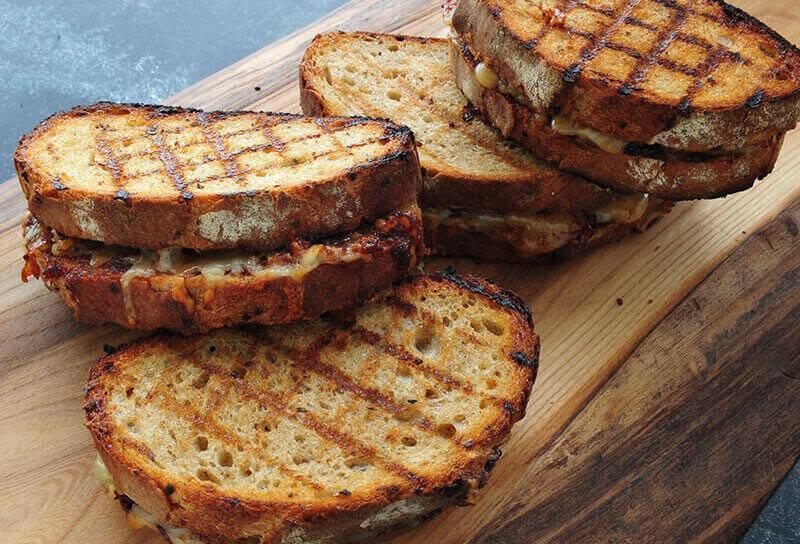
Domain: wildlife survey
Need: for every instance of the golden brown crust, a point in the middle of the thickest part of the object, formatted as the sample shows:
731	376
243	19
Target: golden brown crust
207	510
195	303
706	66
458	241
671	176
533	189
270	216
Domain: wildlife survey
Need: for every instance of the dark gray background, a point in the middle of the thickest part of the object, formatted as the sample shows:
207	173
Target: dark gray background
54	55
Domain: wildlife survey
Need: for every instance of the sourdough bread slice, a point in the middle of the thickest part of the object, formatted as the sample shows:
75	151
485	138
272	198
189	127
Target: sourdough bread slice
156	177
190	292
326	431
619	165
696	75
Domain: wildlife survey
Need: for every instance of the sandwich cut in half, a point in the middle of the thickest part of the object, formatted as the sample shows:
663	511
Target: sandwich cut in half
482	195
328	431
158	217
681	100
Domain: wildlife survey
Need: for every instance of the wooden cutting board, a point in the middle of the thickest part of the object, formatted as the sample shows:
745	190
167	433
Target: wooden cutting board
668	403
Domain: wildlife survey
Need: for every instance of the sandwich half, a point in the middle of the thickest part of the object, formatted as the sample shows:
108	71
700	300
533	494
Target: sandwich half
482	195
158	217
325	431
681	100
155	177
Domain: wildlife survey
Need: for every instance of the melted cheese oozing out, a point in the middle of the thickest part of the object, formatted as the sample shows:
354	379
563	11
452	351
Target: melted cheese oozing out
488	79
623	210
138	517
540	233
607	143
485	76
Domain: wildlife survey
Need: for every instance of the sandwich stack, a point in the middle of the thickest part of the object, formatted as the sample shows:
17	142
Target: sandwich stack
355	400
623	107
681	100
154	217
339	428
483	196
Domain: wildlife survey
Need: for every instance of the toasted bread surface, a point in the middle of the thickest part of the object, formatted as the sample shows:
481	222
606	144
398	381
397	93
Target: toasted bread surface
156	176
337	429
660	172
192	292
537	238
694	75
466	164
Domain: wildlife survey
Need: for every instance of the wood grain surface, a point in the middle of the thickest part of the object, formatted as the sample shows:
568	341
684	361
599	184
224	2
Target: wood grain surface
666	405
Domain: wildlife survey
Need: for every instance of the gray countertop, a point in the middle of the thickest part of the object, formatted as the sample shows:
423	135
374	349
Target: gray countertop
54	55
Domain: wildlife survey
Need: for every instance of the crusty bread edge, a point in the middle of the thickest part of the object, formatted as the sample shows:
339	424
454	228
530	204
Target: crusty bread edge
205	510
364	192
633	117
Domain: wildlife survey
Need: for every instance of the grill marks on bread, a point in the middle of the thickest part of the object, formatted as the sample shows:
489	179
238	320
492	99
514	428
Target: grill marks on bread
709	25
298	413
212	180
466	163
176	147
695	75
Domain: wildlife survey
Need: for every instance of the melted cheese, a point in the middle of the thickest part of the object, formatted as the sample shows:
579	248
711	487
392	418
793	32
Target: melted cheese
606	142
485	76
142	267
623	210
103	477
138	517
539	233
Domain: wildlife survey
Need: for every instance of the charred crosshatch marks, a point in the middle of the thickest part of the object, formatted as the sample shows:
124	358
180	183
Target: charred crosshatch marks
504	298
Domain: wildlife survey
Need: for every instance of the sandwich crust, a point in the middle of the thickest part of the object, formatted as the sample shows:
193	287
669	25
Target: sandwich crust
157	176
661	173
190	292
692	76
357	458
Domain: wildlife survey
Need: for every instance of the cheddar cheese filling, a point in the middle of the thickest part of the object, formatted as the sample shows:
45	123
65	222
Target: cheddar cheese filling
542	233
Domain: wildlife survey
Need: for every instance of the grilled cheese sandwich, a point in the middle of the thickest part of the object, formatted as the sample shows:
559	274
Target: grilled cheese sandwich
326	431
593	98
477	186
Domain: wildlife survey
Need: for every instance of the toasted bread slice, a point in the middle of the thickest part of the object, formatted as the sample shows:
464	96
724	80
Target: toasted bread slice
326	431
156	177
540	237
695	75
623	166
466	164
190	292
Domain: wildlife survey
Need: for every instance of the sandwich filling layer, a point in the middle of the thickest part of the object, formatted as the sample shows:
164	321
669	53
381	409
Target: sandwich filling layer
179	271
562	125
138	517
542	233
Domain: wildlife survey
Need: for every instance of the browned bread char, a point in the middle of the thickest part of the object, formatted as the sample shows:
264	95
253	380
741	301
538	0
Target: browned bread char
623	166
156	176
692	75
